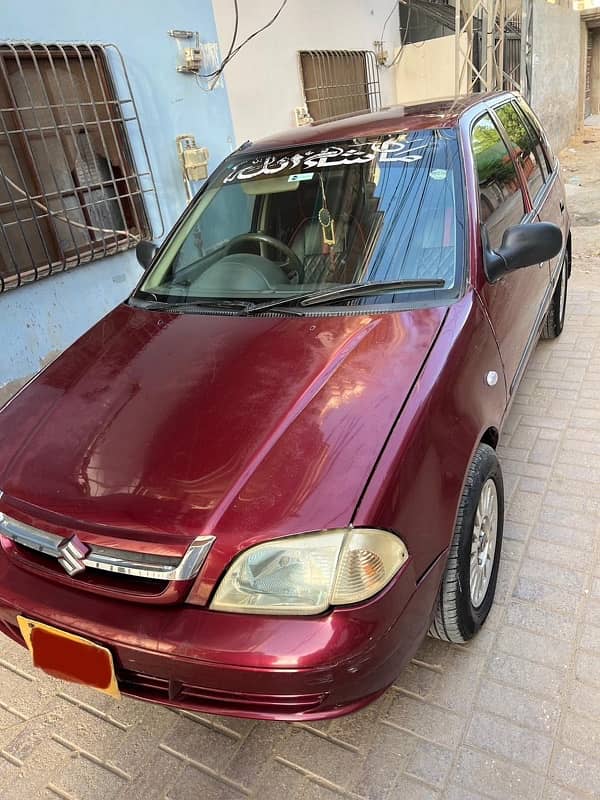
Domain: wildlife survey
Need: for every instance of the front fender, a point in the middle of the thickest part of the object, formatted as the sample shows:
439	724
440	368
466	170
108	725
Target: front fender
417	483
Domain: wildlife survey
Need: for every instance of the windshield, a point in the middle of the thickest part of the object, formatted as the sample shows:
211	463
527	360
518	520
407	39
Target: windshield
277	224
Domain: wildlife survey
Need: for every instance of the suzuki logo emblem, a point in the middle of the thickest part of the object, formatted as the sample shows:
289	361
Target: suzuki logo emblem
72	554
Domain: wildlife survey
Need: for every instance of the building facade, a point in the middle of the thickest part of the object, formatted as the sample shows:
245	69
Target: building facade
322	56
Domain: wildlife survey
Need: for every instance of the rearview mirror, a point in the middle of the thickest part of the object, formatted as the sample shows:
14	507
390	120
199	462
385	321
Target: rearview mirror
522	246
145	252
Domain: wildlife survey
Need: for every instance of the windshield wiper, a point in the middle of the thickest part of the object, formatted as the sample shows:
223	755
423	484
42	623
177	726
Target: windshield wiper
348	291
372	288
212	302
240	306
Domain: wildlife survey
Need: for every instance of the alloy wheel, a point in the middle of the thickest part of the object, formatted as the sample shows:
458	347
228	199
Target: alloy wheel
483	545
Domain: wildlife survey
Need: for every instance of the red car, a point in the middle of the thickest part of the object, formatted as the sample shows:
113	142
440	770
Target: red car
254	486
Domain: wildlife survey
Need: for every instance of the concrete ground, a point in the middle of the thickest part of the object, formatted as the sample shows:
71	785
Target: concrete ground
515	715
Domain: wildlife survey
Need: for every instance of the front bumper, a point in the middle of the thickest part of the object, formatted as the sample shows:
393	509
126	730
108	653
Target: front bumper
266	667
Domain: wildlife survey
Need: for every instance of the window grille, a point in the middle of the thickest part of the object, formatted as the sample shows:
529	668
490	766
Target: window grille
75	179
339	82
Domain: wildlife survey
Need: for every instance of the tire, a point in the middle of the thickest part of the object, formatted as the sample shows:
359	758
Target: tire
461	607
555	316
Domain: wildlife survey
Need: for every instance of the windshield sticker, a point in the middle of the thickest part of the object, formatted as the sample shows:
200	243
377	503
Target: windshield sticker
389	151
438	174
301	176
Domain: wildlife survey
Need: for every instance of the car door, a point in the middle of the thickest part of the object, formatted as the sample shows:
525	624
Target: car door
515	300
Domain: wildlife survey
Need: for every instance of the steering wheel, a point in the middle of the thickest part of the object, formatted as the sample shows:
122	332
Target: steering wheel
291	266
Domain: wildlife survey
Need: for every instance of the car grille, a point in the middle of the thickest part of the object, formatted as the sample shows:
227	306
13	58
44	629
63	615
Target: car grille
91	579
123	573
163	690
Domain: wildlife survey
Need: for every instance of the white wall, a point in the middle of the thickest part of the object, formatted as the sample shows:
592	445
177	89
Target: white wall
263	80
425	71
555	69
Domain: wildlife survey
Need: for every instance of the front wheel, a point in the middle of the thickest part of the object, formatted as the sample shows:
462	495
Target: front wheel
469	583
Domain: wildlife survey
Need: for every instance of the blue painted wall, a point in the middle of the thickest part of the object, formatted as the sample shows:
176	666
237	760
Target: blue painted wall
40	319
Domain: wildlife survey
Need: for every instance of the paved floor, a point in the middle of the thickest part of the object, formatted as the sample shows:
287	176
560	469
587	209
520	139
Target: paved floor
515	715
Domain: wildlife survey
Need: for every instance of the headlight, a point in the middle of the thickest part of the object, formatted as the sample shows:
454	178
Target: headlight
306	574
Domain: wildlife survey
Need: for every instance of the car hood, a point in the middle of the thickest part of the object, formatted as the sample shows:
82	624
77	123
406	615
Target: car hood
156	424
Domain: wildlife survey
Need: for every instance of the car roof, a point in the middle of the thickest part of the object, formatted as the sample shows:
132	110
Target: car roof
410	117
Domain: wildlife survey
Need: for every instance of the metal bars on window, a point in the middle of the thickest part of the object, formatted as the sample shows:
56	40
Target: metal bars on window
75	178
339	82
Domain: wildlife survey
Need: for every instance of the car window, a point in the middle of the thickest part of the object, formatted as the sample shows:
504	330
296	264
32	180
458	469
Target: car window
534	125
500	197
528	154
225	216
369	209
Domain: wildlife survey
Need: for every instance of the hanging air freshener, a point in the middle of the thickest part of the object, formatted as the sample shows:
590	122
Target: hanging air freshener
327	226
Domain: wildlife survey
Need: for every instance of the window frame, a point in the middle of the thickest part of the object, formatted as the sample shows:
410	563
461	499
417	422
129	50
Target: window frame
536	126
321	60
47	112
489	112
535	141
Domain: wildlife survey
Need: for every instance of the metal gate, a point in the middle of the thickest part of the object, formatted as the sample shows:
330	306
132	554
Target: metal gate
489	46
488	41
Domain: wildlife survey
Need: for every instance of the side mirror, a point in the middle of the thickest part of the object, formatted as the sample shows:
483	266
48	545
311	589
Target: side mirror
145	252
522	246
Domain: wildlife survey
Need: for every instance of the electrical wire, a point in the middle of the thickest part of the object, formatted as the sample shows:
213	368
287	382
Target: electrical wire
260	30
59	216
235	30
387	19
216	74
403	38
231	46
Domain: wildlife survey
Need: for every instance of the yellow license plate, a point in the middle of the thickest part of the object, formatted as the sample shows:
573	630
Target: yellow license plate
68	657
